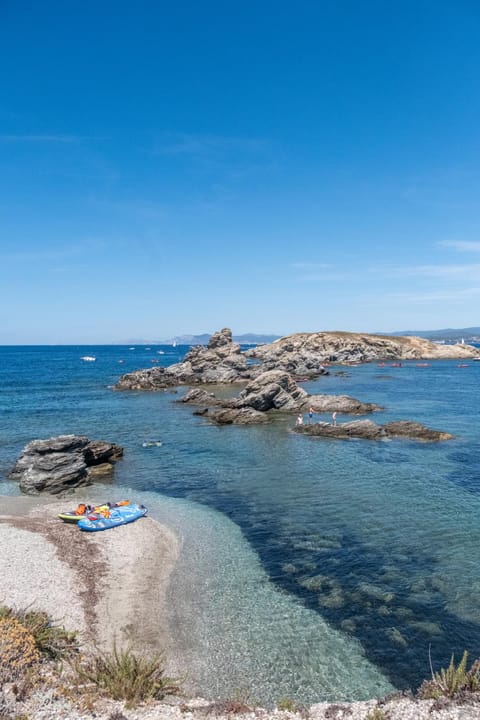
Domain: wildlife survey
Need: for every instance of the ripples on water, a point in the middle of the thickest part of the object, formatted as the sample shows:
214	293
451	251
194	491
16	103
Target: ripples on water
352	558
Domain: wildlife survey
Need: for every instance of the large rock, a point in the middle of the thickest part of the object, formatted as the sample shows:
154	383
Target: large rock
304	354
338	403
236	416
368	430
273	390
62	463
221	361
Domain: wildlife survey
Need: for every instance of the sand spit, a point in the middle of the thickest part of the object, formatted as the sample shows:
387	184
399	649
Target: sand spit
111	586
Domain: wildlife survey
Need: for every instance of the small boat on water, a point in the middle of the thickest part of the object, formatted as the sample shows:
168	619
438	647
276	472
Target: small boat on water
422	365
88	358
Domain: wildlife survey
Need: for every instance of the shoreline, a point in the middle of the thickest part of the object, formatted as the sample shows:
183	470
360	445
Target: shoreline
111	587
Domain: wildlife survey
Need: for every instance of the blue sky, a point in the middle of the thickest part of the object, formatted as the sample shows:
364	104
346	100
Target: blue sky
170	168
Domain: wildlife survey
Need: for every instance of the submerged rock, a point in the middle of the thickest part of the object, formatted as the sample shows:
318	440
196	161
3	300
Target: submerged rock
63	463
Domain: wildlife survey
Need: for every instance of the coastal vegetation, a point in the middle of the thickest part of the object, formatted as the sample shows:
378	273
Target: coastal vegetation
37	654
453	680
123	675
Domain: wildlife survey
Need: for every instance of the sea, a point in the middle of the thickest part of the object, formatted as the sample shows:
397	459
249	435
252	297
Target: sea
312	569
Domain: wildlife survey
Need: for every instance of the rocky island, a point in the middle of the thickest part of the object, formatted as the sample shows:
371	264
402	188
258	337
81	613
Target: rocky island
303	355
269	375
306	353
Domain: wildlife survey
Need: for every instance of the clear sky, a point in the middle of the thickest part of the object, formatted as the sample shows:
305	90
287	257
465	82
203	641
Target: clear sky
178	167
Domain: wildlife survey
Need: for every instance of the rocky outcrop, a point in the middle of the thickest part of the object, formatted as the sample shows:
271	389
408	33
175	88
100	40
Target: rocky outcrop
368	430
221	361
271	391
414	430
63	463
304	354
343	404
200	396
236	416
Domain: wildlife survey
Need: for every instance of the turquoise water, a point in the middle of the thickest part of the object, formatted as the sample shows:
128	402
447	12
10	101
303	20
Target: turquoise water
325	569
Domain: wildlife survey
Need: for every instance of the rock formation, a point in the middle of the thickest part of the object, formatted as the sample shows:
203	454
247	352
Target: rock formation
236	416
271	391
221	361
368	430
304	354
62	463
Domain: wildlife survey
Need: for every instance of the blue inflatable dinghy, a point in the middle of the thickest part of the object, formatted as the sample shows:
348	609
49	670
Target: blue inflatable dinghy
113	517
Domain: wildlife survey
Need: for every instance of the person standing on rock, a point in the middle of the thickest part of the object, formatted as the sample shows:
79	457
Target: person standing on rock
310	416
334	418
299	419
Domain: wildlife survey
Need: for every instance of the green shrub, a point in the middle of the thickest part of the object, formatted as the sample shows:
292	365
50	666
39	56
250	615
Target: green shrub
123	675
287	703
377	714
453	680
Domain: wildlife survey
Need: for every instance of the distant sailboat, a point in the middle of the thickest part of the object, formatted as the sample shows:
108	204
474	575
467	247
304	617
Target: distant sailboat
174	344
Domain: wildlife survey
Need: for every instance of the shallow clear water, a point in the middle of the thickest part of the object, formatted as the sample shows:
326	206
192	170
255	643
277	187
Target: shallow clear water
325	568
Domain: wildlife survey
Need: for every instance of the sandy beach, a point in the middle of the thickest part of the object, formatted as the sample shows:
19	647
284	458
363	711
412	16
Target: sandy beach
109	586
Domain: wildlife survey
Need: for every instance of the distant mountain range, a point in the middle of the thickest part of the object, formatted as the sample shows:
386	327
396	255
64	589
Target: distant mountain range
449	335
246	339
